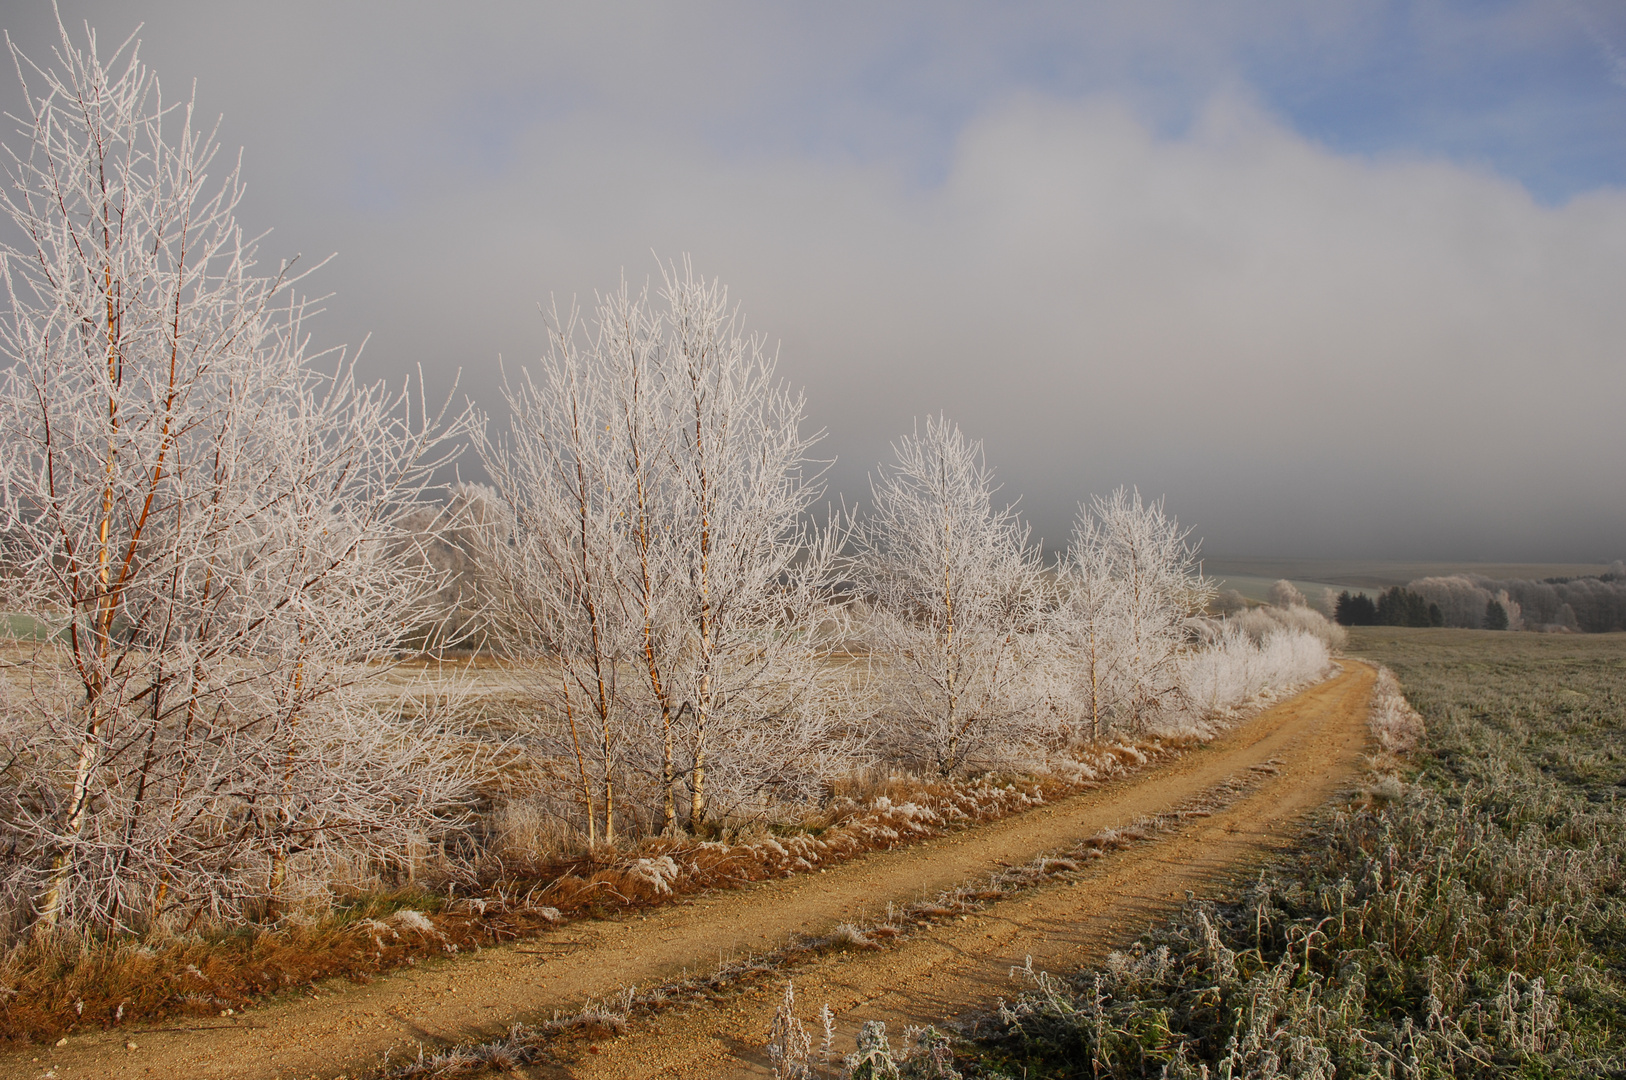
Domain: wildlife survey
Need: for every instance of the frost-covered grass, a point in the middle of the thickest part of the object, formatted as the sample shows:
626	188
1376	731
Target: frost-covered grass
1466	918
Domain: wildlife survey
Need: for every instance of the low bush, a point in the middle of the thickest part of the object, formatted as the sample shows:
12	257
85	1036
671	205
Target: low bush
1237	671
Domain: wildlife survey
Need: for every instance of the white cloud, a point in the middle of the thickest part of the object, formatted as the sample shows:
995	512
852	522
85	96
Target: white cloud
1294	344
1310	352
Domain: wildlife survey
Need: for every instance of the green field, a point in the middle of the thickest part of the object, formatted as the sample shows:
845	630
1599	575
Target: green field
1466	919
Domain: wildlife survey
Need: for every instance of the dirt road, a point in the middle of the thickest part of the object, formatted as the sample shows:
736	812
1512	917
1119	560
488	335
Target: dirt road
1281	764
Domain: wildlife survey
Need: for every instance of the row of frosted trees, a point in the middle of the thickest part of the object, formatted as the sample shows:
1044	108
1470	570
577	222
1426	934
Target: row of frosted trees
693	633
216	542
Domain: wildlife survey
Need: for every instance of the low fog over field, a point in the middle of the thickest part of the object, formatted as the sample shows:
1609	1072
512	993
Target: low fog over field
1339	281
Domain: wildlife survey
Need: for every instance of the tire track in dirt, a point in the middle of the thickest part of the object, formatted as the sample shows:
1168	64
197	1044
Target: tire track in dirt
1318	738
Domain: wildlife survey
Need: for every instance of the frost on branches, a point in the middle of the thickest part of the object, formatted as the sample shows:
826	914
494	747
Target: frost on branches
216	539
985	657
663	588
203	525
958	601
1157	587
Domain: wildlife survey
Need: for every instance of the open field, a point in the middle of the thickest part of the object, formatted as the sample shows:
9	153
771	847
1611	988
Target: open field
1229	800
1464	919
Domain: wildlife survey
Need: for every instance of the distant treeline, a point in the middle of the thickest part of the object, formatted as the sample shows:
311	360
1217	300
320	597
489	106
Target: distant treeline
1394	607
1588	605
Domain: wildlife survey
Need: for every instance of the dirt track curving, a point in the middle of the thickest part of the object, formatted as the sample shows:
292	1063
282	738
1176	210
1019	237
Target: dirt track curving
1293	757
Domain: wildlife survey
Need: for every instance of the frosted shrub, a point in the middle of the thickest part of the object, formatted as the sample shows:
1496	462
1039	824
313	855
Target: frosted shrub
1290	660
1258	623
1218	677
1234	671
790	1047
873	1058
1284	594
1394	722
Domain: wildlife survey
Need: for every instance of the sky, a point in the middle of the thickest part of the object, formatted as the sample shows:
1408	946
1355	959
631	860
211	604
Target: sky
1338	280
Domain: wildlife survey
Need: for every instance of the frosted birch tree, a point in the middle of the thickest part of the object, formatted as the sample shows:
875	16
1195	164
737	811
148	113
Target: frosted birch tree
560	587
959	597
1091	626
630	340
1157	584
754	573
203	520
658	467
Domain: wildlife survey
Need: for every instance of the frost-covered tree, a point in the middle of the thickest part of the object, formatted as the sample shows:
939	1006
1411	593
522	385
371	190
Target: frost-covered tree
1285	594
1329	603
1146	553
203	520
753	571
564	554
662	551
1091	624
960	598
640	423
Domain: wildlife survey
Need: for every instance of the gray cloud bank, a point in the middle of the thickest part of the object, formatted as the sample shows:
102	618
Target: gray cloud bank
1310	352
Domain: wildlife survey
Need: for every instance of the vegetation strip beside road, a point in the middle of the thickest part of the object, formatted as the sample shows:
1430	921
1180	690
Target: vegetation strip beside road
65	986
346	1027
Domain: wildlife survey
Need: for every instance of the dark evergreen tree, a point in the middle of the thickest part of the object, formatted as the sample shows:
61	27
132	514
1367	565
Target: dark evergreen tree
1495	616
1398	606
1356	610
